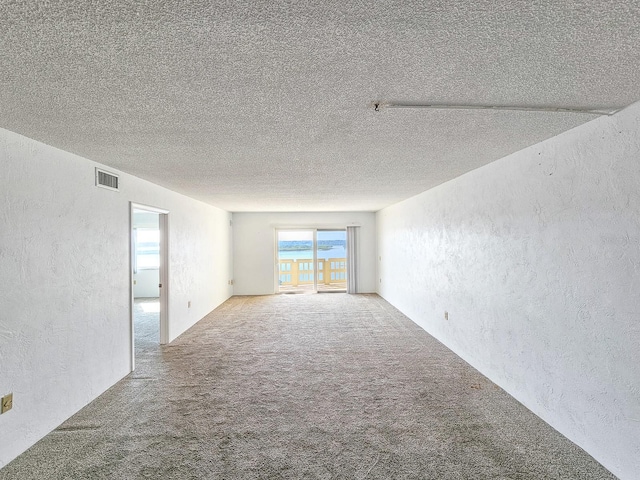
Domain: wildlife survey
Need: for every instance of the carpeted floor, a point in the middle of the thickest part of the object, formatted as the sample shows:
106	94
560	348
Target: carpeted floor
330	386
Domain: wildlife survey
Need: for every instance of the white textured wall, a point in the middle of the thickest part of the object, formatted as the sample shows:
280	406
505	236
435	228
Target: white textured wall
65	284
536	257
254	246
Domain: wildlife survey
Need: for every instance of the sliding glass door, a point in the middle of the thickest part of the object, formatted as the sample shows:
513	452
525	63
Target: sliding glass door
331	252
296	258
311	260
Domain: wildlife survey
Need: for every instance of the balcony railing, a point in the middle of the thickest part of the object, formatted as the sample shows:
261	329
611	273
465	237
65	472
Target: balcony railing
294	273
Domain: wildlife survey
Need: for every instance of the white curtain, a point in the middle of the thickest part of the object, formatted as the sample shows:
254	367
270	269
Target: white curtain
353	235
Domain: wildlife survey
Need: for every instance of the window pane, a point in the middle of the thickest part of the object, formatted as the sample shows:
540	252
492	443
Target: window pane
147	248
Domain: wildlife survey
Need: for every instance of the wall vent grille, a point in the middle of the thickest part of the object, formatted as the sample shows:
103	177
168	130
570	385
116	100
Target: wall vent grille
106	180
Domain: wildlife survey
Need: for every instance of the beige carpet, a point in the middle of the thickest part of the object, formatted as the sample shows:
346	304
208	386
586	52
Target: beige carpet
329	386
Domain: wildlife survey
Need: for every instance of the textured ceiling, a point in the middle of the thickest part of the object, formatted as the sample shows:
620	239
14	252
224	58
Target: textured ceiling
266	105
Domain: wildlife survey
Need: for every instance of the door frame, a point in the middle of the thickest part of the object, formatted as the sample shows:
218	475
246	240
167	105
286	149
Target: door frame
163	271
277	256
314	230
346	256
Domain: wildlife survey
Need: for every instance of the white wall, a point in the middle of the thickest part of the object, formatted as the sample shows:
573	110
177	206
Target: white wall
65	283
536	257
254	246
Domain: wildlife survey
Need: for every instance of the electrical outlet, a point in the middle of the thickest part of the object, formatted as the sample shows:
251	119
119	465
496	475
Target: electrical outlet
446	315
6	403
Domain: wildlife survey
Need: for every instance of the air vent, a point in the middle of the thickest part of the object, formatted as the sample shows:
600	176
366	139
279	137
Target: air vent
106	180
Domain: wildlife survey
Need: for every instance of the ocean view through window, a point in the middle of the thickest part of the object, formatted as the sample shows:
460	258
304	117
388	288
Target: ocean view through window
296	253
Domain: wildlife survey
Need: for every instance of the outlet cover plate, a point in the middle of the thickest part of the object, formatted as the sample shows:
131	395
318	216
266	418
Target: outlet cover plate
6	403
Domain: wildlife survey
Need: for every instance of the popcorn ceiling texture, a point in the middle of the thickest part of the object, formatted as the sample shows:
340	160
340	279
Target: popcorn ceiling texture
264	106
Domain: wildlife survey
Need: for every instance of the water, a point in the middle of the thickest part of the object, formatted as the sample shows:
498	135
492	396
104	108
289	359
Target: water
337	251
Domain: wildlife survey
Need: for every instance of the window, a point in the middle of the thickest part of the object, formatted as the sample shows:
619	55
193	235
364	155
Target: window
147	249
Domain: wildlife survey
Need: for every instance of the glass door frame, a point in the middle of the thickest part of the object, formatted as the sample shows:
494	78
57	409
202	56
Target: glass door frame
314	250
314	232
326	261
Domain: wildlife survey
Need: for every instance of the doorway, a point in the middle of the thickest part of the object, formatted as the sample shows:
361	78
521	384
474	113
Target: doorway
311	261
149	281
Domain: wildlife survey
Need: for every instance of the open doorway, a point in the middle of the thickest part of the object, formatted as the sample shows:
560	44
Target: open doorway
149	277
311	261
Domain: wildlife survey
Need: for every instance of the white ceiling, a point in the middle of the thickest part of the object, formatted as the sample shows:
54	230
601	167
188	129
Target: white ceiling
266	105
